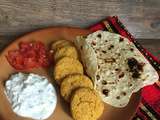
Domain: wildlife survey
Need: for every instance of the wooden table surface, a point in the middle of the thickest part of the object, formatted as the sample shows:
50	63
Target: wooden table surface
142	17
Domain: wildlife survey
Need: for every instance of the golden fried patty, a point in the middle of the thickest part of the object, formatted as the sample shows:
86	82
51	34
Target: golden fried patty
72	82
86	105
66	51
60	43
66	66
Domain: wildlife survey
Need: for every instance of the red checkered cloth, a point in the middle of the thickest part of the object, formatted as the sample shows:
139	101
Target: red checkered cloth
149	108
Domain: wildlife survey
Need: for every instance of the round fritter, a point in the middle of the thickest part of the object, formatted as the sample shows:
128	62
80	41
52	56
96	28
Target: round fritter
66	66
60	43
86	105
73	82
66	51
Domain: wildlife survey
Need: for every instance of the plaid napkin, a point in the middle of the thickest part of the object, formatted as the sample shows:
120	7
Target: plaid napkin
149	108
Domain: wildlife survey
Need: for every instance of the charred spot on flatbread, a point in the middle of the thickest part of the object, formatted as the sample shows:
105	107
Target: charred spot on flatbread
105	92
104	82
104	51
119	54
130	85
110	60
110	47
98	66
118	97
93	43
136	74
98	77
123	93
131	49
135	67
117	69
121	75
121	39
99	35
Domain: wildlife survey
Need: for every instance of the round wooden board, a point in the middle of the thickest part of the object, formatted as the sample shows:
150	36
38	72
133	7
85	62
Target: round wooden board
62	109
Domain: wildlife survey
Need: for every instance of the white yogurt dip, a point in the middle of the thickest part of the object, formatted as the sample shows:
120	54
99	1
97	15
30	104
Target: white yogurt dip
31	95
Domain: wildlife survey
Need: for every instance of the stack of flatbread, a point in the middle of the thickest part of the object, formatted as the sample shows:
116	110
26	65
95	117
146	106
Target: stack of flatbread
115	65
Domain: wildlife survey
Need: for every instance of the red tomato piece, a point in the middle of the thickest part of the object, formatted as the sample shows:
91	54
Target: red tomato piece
29	55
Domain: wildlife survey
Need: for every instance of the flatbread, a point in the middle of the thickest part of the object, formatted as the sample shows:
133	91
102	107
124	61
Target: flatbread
115	65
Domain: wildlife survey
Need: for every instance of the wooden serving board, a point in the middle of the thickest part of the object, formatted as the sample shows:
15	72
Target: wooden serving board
62	112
